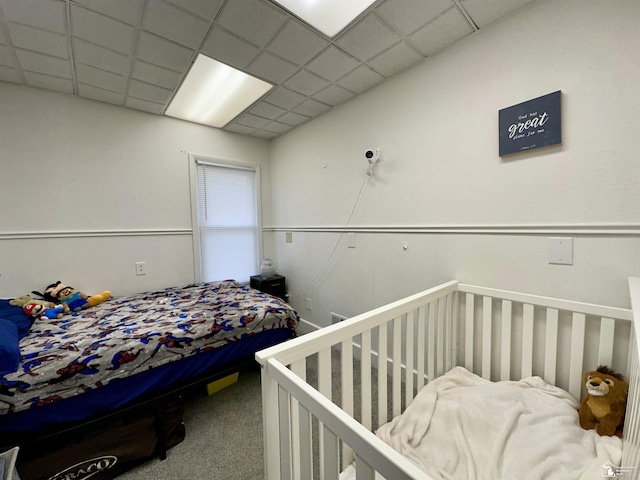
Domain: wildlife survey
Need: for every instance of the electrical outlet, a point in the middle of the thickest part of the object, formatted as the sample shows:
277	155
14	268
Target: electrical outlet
308	304
288	237
141	268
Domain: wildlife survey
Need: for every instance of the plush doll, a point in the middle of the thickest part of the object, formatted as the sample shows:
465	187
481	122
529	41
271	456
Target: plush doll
24	299
38	311
604	405
73	300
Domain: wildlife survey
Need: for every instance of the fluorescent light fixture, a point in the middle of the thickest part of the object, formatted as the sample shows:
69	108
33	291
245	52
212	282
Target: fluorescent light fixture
328	16
213	93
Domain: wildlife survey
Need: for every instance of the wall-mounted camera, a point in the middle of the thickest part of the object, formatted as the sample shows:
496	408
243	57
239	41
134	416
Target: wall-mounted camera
372	155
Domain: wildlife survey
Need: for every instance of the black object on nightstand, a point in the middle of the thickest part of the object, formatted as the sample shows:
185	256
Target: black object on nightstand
273	286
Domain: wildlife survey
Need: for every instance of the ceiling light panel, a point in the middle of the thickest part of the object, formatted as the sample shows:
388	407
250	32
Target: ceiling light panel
327	16
214	93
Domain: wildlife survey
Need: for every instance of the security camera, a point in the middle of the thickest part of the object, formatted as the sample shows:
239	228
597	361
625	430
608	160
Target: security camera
371	155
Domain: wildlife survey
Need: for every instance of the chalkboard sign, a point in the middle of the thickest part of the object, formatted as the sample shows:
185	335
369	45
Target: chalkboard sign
531	124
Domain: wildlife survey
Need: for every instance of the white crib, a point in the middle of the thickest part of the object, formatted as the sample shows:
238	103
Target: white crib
499	335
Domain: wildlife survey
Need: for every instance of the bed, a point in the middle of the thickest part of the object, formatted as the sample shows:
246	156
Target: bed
131	350
386	394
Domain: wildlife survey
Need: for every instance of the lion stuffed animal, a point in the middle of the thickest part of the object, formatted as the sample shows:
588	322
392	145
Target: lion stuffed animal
604	405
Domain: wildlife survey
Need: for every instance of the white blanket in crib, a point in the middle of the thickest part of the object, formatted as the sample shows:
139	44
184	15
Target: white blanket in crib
461	426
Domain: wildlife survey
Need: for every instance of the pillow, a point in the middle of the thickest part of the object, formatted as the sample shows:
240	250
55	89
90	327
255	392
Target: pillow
17	316
9	347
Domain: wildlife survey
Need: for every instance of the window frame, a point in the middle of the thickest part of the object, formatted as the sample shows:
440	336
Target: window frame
194	160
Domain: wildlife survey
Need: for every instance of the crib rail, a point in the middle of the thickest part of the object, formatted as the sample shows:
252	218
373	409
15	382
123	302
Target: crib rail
325	392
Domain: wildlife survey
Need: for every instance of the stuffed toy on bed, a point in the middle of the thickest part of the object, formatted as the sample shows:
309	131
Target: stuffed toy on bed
39	311
604	405
71	299
24	299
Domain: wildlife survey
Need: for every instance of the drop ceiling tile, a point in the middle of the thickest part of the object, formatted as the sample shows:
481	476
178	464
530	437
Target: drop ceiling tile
39	63
297	43
306	83
151	93
129	11
163	53
89	54
254	20
144	106
408	15
264	134
206	9
293	119
333	95
37	13
311	108
102	30
6	57
237	128
95	93
443	31
285	98
397	58
101	78
170	22
250	120
483	13
271	68
277	127
361	79
266	110
155	75
39	40
229	49
48	82
333	64
367	38
8	74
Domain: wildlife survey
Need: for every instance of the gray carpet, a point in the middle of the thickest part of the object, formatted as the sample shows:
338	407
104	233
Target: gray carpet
223	437
224	431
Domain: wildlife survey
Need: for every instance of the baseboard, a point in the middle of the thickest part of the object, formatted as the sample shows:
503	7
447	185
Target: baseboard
305	326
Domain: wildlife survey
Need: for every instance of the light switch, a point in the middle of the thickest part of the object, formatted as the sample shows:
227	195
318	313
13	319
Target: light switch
351	240
561	251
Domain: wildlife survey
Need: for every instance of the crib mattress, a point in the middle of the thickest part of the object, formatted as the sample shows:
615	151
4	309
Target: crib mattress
129	335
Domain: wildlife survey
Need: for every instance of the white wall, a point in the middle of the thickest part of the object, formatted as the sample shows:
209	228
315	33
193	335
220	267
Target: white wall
436	126
88	189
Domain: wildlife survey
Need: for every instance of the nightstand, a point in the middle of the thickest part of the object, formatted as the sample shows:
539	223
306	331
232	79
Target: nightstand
274	285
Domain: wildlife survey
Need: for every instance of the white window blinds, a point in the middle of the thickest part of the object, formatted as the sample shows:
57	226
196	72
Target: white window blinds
227	222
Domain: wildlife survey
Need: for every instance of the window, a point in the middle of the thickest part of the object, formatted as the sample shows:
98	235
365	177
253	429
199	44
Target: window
226	228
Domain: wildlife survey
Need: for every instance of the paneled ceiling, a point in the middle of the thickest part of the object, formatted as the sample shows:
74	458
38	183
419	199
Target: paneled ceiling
135	53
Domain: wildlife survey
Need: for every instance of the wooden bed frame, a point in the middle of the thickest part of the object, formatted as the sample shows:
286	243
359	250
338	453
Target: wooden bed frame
396	348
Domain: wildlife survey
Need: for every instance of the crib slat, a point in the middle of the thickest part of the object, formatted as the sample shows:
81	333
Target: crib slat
527	341
305	445
551	346
487	318
468	332
432	342
364	471
297	435
347	392
285	434
324	387
505	347
577	354
397	366
382	374
605	350
365	375
331	460
448	351
421	346
441	337
408	383
455	321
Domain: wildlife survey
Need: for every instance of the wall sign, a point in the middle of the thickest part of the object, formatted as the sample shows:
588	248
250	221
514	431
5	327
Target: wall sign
529	125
